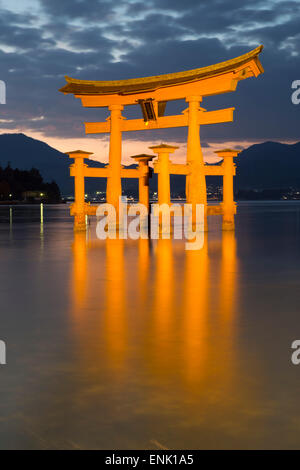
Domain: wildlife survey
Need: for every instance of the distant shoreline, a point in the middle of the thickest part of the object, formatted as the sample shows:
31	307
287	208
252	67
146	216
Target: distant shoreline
32	203
174	201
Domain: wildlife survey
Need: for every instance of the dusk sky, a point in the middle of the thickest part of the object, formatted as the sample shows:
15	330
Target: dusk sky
41	41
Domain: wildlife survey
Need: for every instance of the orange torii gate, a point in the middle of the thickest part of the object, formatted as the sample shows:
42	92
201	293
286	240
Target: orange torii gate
152	94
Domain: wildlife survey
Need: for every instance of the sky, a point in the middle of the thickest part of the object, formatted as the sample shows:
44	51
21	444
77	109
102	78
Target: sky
41	41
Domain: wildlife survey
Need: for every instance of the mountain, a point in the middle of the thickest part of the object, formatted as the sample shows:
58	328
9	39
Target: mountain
270	165
25	153
265	166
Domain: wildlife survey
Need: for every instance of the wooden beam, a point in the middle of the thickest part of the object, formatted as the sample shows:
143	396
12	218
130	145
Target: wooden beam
175	169
105	172
96	172
165	122
209	86
137	124
179	169
213	170
215	117
130	173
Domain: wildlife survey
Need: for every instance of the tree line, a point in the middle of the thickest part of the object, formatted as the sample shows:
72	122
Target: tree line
26	185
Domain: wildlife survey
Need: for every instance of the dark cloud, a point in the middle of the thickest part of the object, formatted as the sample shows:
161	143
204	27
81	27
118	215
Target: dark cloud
154	28
79	9
108	40
17	31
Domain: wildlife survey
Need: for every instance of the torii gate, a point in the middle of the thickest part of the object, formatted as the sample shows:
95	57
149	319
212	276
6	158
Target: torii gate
152	94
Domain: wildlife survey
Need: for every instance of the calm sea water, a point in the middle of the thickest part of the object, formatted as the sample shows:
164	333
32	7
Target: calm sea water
133	345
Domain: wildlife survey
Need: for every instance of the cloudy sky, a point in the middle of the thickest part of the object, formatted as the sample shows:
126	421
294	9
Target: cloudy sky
41	41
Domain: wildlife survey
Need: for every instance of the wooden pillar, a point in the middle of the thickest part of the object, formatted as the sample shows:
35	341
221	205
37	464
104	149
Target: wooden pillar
195	181
228	205
144	257
162	167
144	174
80	249
114	186
77	170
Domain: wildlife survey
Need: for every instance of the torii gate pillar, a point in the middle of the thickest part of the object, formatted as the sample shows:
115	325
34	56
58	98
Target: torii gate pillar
78	208
144	175
228	205
195	180
114	186
162	167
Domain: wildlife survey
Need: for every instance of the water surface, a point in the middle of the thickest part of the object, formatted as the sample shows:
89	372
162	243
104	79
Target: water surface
124	344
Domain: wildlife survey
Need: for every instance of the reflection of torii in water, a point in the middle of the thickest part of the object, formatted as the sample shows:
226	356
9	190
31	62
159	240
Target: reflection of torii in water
174	306
152	94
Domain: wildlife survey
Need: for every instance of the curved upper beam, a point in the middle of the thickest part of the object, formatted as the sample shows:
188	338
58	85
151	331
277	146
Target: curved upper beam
145	84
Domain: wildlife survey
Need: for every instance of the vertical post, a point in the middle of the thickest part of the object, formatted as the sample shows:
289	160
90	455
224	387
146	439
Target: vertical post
144	252
144	183
144	175
228	205
115	325
79	284
42	218
195	181
79	193
229	276
162	167
77	170
114	186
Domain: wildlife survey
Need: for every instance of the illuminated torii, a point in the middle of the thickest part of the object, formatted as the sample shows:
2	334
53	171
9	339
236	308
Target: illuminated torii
152	94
